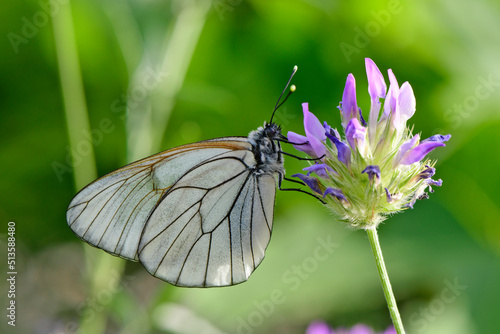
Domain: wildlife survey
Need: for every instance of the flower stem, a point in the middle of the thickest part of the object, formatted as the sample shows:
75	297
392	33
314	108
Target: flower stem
384	278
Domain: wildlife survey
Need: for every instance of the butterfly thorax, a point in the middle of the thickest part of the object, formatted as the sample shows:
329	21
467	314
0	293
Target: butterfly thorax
266	149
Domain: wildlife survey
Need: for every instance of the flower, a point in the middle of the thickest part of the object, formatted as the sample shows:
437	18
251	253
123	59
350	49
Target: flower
319	327
349	106
319	169
378	168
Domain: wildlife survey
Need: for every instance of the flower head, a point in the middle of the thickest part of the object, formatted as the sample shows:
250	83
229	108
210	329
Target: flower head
393	159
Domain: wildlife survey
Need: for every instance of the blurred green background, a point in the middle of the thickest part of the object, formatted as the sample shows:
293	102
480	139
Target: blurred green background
157	74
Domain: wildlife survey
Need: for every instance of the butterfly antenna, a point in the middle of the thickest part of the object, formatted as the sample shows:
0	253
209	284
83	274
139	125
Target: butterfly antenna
292	89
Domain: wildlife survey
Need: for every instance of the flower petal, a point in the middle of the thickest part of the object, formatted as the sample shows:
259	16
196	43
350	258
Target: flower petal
390	330
361	329
372	171
376	83
377	89
391	99
437	138
355	134
335	193
310	181
349	104
304	146
388	195
405	147
343	150
331	131
363	122
318	327
315	132
427	145
312	125
392	197
437	183
319	169
405	108
327	127
427	173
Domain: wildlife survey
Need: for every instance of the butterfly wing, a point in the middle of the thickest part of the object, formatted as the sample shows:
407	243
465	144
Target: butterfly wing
213	226
111	212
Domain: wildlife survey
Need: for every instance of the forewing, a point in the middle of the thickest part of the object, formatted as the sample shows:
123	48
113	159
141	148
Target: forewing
213	226
111	212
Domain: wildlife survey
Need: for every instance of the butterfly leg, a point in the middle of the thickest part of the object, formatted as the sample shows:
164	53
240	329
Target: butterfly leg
282	177
302	159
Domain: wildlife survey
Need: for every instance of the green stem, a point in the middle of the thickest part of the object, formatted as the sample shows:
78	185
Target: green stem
100	264
75	107
147	121
384	278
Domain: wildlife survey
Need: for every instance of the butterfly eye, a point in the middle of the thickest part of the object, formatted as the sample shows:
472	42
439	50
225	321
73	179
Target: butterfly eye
270	132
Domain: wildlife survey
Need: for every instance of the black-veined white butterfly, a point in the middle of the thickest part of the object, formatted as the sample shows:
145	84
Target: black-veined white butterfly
198	215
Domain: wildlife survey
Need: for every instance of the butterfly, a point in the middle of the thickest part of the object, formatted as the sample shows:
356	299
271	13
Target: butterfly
198	215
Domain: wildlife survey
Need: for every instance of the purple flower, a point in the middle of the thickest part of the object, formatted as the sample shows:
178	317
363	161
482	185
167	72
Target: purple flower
376	83
318	327
437	183
432	182
420	151
406	147
355	134
373	171
377	90
390	330
384	149
312	143
310	181
361	329
319	169
335	193
343	151
405	107
400	103
349	105
300	143
427	173
331	131
391	100
389	196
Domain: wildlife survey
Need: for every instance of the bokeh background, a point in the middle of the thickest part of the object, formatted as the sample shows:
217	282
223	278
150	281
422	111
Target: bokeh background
136	77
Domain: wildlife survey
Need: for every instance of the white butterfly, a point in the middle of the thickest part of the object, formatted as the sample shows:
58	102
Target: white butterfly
198	215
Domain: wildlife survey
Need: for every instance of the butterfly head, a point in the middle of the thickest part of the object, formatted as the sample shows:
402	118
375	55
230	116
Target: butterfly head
272	131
